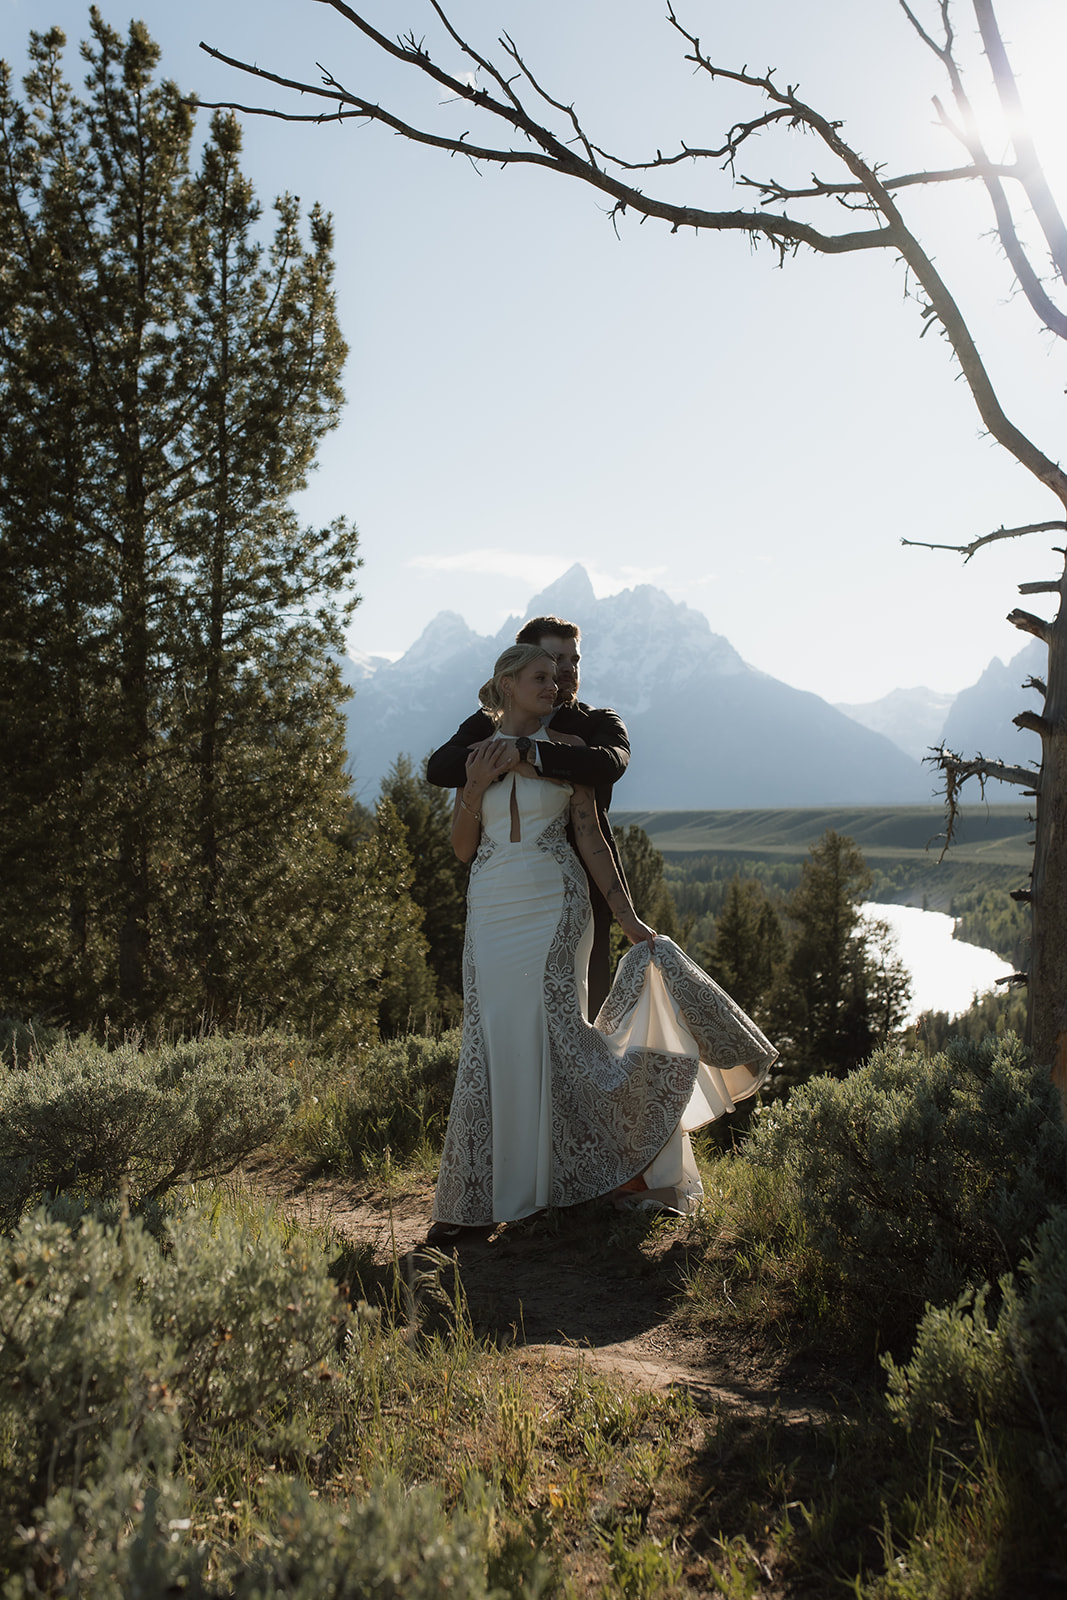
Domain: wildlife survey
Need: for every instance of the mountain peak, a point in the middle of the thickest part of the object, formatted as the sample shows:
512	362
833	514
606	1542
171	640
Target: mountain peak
706	729
571	593
443	636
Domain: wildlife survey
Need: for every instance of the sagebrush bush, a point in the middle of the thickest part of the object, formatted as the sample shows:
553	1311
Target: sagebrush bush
917	1177
397	1099
20	1041
89	1120
109	1342
970	1371
1036	1324
396	1544
961	1369
123	1363
85	1400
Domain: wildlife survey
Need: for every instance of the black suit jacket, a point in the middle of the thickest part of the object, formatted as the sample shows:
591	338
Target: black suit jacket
599	766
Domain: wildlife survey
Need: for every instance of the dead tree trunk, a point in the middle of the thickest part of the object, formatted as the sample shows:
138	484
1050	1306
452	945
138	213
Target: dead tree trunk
1047	1012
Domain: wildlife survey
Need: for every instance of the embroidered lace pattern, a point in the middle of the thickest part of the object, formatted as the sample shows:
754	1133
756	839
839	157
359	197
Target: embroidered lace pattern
611	1109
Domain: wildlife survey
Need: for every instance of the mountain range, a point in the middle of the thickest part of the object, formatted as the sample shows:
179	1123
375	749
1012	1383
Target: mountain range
706	729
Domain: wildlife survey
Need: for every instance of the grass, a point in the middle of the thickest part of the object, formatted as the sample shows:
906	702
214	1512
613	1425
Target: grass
988	835
792	1480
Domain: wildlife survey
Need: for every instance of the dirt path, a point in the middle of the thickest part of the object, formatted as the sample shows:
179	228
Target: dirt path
589	1285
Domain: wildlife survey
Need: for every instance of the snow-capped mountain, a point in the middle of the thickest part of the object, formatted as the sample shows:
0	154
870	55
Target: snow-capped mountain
913	718
707	730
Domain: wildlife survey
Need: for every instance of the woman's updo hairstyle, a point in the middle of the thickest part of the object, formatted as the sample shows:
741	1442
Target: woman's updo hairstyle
512	662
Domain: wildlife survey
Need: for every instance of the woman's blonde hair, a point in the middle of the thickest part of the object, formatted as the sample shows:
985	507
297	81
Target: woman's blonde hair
512	662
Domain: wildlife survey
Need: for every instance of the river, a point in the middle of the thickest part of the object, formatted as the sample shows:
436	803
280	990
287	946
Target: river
945	973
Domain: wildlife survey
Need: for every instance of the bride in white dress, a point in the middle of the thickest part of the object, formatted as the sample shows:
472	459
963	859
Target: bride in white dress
549	1109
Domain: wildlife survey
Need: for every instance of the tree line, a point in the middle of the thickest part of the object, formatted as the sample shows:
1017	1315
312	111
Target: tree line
175	822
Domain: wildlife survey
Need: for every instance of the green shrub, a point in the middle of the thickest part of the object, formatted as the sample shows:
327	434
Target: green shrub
251	1319
919	1178
398	1100
1035	1325
21	1041
395	1545
123	1365
961	1369
973	1375
88	1422
93	1121
109	1343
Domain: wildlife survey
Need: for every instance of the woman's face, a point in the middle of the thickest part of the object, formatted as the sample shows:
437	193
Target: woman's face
533	690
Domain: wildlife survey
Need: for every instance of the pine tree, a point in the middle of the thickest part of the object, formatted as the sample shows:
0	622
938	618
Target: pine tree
748	948
405	989
439	880
168	694
835	999
259	628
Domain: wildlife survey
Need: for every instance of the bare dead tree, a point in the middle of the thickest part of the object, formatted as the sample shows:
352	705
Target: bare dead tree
520	122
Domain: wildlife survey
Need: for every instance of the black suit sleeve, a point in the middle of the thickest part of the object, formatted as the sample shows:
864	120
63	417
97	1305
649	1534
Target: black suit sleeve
447	767
603	761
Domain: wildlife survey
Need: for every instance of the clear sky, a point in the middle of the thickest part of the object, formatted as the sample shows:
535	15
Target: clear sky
528	389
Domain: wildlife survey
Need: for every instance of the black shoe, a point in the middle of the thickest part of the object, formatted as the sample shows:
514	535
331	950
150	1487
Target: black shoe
451	1232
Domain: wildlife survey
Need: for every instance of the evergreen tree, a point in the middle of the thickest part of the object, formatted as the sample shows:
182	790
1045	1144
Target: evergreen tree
748	948
168	693
439	880
259	632
652	899
406	995
834	1002
92	194
643	865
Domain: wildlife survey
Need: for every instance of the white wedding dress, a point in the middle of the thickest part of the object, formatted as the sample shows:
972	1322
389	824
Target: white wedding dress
548	1109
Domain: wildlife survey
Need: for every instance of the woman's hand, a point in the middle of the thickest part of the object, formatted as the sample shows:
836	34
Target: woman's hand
638	932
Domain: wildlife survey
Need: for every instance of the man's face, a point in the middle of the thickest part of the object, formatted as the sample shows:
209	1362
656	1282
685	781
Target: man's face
566	654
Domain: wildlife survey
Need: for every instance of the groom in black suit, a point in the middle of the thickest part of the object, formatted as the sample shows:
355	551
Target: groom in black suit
599	764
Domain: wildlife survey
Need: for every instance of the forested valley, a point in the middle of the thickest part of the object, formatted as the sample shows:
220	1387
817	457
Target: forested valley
227	988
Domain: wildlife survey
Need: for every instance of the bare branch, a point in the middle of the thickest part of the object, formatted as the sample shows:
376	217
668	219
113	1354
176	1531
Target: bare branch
968	550
1026	622
557	105
822	189
956	770
480	61
785	232
1026	778
1030	169
1038	684
863	188
1032	723
1048	586
735	138
944	52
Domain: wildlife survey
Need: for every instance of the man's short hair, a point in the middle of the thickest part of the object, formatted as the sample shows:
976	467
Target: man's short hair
534	631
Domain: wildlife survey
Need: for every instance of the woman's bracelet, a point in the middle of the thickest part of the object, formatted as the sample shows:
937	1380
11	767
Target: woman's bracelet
470	811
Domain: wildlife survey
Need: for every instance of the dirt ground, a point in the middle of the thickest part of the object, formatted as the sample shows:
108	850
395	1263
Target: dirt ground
589	1285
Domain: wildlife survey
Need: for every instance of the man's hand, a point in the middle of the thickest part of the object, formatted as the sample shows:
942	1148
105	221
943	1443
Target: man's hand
505	757
489	760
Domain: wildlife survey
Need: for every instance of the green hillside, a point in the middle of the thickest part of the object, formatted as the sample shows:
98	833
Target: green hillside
994	835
